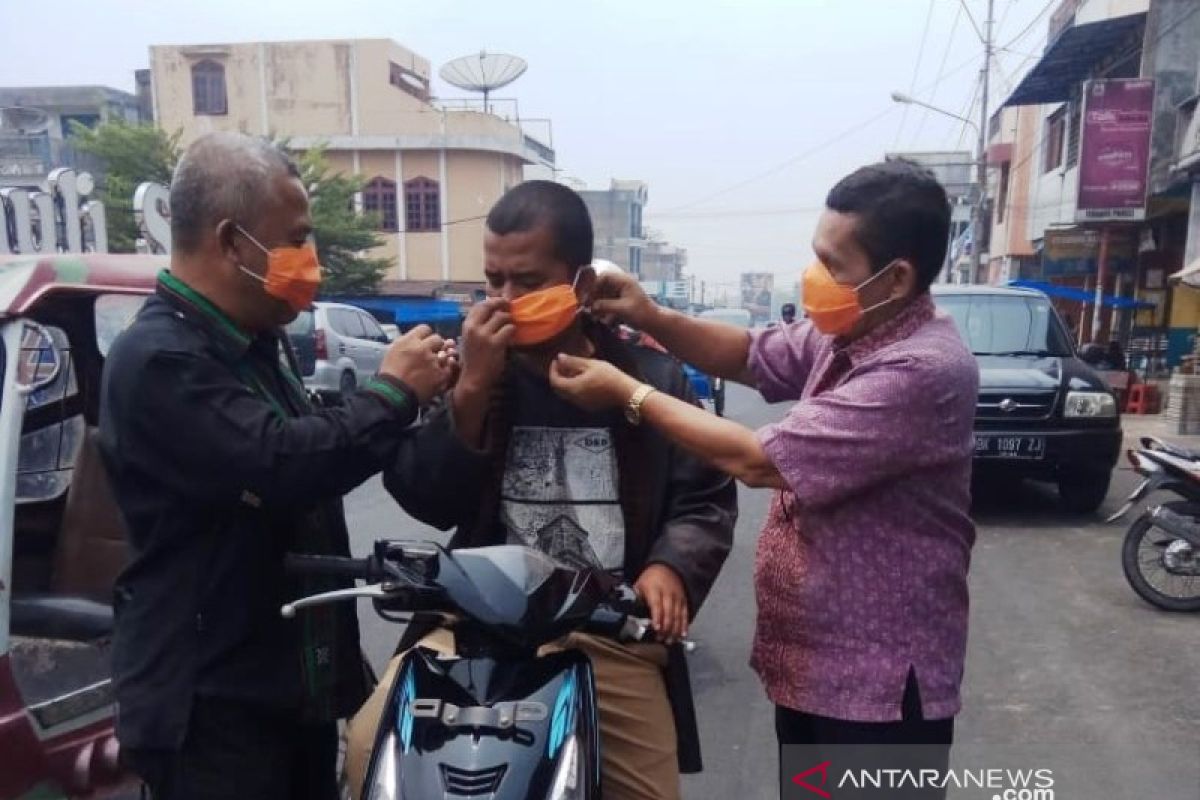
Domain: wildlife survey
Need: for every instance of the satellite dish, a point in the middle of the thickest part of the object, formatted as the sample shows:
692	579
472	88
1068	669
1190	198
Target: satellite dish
23	120
483	72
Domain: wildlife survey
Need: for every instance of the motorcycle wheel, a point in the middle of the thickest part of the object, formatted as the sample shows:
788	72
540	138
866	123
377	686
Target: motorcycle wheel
1142	559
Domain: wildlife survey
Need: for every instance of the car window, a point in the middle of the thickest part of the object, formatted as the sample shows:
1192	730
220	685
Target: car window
350	324
302	325
114	313
992	324
372	328
354	324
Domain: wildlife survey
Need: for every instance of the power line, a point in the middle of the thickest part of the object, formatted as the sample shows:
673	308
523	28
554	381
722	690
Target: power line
940	72
1136	49
971	17
816	149
912	84
1025	31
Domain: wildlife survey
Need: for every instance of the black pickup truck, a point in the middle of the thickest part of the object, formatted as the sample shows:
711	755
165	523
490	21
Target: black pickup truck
1043	413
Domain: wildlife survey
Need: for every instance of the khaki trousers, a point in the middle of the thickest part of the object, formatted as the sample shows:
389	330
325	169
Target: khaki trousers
637	729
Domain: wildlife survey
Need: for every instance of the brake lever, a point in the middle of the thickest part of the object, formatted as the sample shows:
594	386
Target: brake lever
372	591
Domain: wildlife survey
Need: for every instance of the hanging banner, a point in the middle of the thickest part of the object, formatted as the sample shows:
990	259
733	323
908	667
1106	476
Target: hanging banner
1114	149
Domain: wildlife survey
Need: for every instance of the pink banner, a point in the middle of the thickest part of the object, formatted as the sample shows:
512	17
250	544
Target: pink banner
1114	149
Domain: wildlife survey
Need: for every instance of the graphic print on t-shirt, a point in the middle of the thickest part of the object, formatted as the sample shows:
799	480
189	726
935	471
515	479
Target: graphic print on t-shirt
560	495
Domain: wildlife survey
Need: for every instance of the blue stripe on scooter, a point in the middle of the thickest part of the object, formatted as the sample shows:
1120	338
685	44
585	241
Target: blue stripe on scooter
563	720
404	715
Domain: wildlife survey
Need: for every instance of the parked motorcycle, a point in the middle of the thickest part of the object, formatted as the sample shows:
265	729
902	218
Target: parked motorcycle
1161	553
497	719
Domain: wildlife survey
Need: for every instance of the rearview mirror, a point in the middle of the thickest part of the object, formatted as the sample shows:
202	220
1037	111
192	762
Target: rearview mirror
40	360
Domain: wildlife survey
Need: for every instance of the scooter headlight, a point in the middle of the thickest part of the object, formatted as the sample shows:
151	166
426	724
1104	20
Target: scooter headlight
1090	405
568	779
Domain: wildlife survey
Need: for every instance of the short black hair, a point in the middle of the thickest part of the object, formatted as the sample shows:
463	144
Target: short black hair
786	307
902	212
533	203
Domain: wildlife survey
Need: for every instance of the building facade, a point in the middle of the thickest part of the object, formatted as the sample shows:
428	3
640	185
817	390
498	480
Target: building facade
955	170
36	129
1122	257
662	261
1012	139
433	170
617	220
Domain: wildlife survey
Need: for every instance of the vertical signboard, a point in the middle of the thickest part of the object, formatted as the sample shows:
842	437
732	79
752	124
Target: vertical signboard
757	288
1114	149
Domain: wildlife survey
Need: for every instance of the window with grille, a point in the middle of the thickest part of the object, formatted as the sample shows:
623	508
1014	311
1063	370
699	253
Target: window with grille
208	89
379	197
1075	112
1052	141
422	205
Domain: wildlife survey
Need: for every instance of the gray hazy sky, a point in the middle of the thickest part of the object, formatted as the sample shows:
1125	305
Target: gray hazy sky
739	115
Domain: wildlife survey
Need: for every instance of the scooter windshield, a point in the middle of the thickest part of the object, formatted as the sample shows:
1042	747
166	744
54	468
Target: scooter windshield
519	592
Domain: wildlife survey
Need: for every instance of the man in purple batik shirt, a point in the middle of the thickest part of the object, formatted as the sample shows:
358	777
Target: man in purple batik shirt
861	574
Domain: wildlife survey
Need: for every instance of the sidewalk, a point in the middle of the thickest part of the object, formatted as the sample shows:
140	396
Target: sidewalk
1136	425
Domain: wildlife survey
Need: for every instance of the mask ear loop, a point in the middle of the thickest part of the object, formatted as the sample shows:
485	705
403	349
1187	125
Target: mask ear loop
579	309
883	303
246	271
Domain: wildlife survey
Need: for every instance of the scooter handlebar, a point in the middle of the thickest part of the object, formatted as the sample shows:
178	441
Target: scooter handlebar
364	569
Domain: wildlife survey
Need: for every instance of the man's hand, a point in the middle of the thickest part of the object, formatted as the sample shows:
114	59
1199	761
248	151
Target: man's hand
487	331
591	384
618	297
419	359
662	590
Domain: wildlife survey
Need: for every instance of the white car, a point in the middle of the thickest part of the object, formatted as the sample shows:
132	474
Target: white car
338	347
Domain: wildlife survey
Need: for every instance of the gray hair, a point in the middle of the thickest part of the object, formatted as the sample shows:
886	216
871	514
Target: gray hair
221	176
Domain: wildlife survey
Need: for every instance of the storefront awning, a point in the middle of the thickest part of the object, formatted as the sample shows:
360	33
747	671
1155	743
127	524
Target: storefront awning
1189	276
406	310
1080	295
1071	57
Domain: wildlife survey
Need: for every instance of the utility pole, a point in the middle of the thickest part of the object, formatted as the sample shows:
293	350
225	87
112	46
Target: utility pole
977	235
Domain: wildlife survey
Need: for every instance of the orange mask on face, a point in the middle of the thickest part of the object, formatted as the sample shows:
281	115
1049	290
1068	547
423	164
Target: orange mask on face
540	316
293	273
833	308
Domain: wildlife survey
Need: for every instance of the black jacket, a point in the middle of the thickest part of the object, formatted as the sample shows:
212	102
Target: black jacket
678	511
220	467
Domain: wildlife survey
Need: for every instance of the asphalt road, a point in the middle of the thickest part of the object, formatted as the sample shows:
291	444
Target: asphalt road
1066	666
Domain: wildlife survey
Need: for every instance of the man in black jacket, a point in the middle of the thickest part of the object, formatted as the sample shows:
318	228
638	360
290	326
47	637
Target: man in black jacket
505	460
220	467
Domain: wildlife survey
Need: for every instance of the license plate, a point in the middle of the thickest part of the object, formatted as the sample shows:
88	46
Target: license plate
1014	447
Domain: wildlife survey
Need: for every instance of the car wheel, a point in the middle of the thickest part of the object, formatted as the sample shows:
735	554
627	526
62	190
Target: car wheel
1083	493
348	383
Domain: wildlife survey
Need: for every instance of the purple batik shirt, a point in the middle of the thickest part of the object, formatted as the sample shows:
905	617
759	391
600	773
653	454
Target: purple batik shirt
862	565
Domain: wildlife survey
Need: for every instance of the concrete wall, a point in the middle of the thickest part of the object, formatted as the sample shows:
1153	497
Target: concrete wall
1052	194
1172	58
339	93
1018	126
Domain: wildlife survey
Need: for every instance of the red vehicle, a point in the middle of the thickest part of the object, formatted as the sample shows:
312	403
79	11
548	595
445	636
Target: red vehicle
61	537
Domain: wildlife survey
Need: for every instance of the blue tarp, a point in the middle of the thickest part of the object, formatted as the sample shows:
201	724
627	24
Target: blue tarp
406	310
1080	295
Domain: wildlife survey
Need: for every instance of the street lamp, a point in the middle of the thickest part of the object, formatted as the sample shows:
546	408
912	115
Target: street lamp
980	176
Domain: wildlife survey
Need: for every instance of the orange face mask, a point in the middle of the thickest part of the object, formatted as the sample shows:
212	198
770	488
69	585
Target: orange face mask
293	273
540	316
833	308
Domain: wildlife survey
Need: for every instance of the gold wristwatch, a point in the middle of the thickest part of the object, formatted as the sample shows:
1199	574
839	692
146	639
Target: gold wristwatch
633	409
